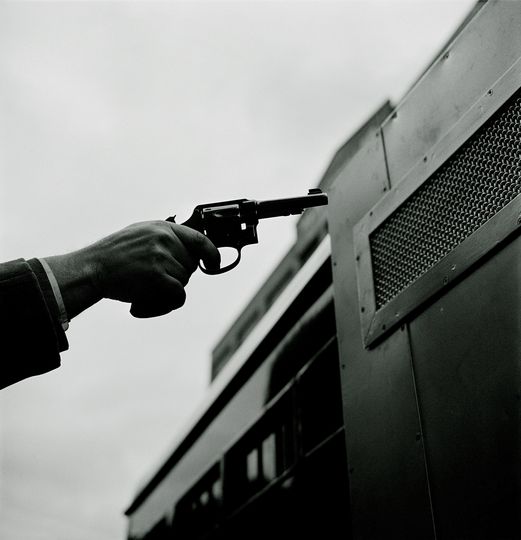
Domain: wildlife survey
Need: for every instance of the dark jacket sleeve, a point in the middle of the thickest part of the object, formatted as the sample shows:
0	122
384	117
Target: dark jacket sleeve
32	337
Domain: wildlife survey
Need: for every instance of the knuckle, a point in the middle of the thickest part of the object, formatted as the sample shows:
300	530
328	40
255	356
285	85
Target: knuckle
154	229
159	238
163	235
158	254
150	229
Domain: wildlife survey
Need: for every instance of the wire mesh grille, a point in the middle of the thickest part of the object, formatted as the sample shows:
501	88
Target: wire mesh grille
481	178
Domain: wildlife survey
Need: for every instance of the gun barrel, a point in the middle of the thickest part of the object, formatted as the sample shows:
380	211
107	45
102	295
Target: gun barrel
291	206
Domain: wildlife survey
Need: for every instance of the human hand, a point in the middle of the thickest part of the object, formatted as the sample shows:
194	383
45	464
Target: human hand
146	264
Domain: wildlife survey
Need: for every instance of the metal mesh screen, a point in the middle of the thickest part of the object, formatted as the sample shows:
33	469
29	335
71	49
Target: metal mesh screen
474	184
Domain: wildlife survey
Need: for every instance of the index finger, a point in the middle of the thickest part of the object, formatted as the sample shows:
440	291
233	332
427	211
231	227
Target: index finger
200	245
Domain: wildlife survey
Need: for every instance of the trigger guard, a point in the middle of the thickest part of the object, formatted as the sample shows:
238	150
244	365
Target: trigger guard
224	268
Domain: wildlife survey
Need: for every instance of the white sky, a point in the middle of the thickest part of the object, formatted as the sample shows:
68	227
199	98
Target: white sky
112	113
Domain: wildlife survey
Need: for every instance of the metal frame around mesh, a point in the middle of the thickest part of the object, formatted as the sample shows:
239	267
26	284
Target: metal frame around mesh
480	179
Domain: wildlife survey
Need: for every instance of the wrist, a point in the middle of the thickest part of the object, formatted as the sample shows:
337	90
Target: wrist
76	274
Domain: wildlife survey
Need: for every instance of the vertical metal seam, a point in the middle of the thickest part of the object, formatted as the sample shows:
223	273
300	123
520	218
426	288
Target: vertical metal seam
420	423
387	172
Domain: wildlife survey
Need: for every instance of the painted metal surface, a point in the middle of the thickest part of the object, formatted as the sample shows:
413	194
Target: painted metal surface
466	350
480	55
448	366
388	481
377	322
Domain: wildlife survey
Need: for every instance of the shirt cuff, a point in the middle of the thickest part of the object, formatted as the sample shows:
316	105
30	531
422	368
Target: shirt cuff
51	301
64	319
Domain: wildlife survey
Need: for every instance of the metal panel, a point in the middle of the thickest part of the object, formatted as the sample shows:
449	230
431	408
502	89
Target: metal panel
441	276
388	481
478	181
473	185
466	69
467	356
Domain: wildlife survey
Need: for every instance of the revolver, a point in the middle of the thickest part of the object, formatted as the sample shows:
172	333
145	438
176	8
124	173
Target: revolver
233	224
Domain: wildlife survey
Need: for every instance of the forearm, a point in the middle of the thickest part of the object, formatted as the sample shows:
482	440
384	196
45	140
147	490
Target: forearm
146	265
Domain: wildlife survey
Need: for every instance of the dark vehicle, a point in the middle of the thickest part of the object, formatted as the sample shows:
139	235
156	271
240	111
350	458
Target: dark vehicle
371	389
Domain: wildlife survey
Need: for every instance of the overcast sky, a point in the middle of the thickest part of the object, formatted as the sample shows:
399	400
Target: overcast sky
112	113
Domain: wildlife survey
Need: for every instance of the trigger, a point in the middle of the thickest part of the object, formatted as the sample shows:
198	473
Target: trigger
224	269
